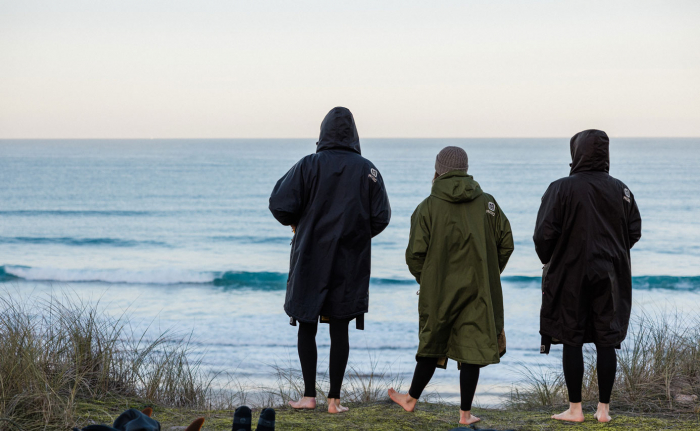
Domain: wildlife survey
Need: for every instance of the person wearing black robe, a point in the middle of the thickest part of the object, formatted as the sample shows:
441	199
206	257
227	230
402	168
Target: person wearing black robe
586	226
335	201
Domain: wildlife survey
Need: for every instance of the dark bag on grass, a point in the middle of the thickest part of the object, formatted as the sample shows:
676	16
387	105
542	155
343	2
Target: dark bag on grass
134	420
130	420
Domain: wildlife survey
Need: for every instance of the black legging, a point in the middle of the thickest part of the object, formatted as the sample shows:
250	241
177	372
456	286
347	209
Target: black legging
308	356
573	372
468	378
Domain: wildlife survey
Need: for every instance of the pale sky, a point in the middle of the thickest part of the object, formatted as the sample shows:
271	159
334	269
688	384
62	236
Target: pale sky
247	69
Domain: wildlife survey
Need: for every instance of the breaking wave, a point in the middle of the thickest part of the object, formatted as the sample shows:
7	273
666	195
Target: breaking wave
644	282
153	276
263	279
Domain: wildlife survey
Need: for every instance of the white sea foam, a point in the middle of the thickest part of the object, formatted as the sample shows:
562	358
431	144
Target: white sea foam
151	276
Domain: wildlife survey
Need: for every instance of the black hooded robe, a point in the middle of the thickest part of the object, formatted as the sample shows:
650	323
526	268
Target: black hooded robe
337	201
586	226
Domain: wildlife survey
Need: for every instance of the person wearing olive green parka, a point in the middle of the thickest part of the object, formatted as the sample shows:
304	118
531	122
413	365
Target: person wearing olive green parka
460	242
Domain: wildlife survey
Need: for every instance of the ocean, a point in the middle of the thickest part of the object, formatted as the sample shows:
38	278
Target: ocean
177	234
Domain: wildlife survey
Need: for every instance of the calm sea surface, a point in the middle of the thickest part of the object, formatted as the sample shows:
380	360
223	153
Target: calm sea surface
178	233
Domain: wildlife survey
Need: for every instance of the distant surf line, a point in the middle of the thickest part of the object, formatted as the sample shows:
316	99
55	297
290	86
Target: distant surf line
114	242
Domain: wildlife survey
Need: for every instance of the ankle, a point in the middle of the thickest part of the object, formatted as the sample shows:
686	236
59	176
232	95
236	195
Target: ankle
575	407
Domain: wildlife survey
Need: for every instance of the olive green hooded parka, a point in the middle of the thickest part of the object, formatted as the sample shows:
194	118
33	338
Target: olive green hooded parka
459	244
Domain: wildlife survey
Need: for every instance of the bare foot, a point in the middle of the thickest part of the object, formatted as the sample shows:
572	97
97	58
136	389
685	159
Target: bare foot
467	418
306	403
335	407
404	400
603	413
574	414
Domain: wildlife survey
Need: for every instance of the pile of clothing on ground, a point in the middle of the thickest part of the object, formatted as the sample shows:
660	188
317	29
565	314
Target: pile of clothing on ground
134	420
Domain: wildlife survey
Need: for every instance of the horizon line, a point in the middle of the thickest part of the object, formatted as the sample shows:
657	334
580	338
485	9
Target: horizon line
315	138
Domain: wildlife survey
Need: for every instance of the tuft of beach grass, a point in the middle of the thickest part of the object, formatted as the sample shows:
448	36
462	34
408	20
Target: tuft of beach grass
58	351
658	371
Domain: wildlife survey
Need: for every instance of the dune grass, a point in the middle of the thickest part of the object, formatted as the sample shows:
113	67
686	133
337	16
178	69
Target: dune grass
65	363
658	372
358	387
55	352
60	354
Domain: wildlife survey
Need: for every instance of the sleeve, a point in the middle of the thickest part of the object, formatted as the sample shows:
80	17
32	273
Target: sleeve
287	198
380	210
504	239
418	241
548	225
634	226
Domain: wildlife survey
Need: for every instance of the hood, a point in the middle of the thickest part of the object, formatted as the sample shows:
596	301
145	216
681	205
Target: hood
590	151
338	132
456	186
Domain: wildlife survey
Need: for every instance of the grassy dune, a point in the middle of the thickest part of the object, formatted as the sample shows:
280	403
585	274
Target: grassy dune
63	363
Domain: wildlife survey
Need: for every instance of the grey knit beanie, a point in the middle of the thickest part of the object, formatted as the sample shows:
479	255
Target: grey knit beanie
451	159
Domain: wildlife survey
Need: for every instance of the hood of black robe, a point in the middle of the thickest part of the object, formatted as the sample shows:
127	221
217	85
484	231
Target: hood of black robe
338	132
590	151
